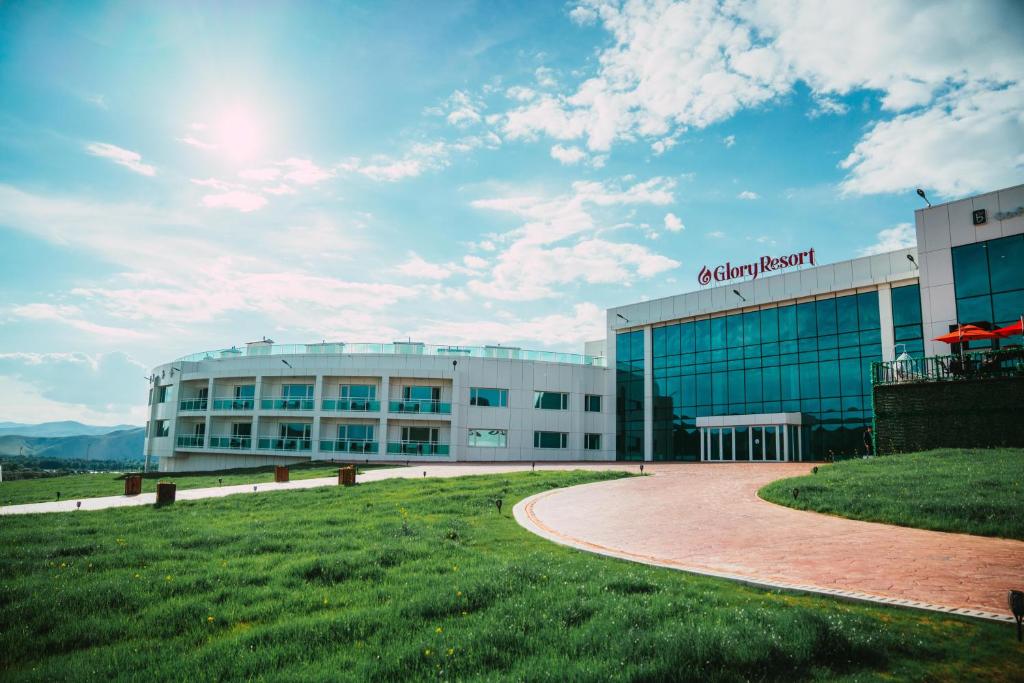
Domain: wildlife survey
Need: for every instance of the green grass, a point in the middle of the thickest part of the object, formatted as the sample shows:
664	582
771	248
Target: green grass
968	491
76	486
416	580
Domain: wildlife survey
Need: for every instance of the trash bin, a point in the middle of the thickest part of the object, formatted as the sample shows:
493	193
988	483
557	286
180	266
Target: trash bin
280	474
347	475
165	492
133	485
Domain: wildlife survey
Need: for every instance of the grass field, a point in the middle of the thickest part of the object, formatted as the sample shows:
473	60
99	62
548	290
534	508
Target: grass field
416	580
74	486
969	491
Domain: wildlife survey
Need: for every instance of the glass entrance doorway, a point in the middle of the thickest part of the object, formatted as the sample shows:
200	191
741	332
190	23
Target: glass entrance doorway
755	443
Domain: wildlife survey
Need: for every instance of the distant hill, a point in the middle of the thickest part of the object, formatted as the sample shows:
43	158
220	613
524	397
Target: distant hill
65	428
122	445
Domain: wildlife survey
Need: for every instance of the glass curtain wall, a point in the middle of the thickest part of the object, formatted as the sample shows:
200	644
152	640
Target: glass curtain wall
989	281
906	320
813	358
629	396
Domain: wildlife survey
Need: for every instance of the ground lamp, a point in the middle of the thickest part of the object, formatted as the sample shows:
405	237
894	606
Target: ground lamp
1016	602
641	468
497	504
78	505
796	493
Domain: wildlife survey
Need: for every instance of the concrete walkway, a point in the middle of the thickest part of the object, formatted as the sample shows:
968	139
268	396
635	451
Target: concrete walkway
432	470
708	519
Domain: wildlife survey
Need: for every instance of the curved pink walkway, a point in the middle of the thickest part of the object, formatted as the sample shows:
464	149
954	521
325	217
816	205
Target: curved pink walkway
708	519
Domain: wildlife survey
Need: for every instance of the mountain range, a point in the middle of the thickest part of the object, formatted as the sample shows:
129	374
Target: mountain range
85	442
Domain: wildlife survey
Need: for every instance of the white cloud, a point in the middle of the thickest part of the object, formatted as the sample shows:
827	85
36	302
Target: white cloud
963	144
899	236
824	106
520	93
586	322
716	234
672	66
729	140
420	158
123	157
568	156
281	189
304	171
462	109
416	266
235	199
545	77
748	195
474	262
672	223
196	142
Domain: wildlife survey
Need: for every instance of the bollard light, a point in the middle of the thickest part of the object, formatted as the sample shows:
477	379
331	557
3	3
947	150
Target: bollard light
424	473
58	495
641	469
254	489
814	470
1015	599
497	504
220	482
533	467
78	505
796	493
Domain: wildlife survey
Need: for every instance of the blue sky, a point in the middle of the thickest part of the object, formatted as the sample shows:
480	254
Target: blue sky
182	176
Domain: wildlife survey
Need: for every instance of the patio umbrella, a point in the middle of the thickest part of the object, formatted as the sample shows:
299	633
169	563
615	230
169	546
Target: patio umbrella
1011	330
966	333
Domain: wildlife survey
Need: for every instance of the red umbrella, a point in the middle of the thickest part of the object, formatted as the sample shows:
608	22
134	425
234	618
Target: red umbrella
1011	330
966	333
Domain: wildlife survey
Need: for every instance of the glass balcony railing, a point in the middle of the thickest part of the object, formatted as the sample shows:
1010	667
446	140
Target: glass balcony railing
192	404
417	448
420	406
235	443
191	440
266	444
348	446
287	403
397	348
229	403
355	404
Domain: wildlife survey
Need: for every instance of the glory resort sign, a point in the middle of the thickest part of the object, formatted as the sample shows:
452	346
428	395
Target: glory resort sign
765	264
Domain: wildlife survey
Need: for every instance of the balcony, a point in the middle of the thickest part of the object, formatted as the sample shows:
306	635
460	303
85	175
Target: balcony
230	403
235	443
353	404
976	365
191	441
192	404
420	406
287	403
348	446
271	444
417	448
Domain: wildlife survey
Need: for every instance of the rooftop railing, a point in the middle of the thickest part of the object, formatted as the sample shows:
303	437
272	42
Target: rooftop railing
951	368
397	348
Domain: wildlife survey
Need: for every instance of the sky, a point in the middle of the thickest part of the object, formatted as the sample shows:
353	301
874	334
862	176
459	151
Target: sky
176	177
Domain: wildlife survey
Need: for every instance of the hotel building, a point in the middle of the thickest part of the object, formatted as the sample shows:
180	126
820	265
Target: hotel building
765	361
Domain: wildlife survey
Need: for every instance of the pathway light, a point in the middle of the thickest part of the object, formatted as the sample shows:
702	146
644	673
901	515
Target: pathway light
1016	601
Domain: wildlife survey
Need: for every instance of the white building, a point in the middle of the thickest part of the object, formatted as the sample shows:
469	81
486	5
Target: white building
280	404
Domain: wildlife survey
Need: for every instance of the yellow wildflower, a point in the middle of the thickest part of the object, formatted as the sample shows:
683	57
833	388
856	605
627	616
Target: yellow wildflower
209	619
438	629
426	653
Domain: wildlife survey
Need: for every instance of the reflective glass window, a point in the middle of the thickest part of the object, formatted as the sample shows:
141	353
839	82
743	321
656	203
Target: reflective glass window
488	438
1006	263
970	270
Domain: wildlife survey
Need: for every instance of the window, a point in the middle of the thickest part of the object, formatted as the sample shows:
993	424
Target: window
295	430
355	432
244	391
297	391
592	403
161	394
415	393
551	400
241	429
361	391
488	438
592	442
494	398
162	428
420	434
550	440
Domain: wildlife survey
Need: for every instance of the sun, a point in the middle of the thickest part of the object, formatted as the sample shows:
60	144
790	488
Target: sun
239	133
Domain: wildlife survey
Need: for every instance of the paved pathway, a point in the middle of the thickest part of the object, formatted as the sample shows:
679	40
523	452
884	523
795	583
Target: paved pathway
432	470
708	519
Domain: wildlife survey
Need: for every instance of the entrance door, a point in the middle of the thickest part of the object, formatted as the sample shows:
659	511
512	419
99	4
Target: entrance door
771	443
757	444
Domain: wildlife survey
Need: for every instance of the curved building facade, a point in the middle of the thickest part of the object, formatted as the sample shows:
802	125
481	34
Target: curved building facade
281	404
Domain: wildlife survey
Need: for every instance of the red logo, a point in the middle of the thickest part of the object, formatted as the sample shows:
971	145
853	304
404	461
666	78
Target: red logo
765	264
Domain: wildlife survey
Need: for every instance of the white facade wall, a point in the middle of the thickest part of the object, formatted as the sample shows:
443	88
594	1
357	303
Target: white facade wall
388	372
939	229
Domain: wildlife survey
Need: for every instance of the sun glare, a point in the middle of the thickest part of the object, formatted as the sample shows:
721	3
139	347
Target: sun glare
239	134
